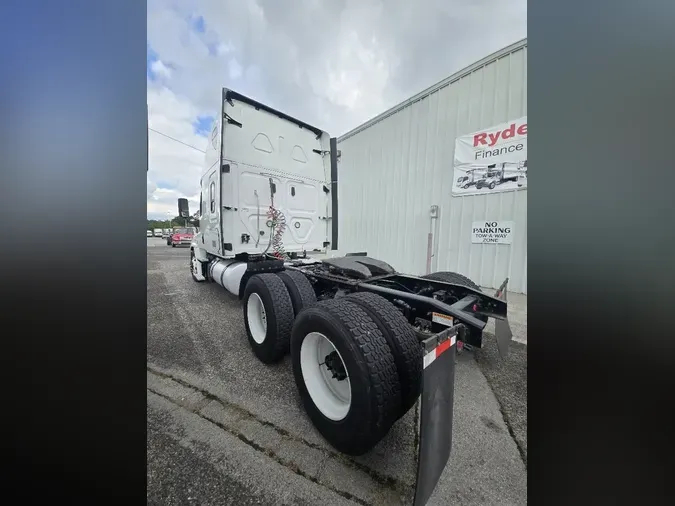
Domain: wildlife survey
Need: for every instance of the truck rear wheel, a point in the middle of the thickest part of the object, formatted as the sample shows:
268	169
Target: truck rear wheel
346	375
268	316
299	288
452	277
402	342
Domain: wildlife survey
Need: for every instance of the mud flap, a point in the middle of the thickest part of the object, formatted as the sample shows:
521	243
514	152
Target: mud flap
438	389
503	333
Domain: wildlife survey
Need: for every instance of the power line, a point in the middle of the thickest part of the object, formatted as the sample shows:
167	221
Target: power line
178	141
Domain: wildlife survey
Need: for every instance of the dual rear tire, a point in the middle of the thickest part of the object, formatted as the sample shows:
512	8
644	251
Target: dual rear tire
345	374
356	362
268	316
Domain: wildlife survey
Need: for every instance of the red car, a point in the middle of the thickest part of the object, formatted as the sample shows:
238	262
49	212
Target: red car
181	237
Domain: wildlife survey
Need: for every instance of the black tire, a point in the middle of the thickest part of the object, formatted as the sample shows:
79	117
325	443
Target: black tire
299	288
192	256
173	245
452	277
375	390
278	311
492	186
402	342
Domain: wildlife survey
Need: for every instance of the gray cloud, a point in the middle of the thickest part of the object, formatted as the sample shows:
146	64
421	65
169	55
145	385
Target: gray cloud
331	63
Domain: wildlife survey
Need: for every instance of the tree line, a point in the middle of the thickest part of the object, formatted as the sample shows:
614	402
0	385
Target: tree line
176	221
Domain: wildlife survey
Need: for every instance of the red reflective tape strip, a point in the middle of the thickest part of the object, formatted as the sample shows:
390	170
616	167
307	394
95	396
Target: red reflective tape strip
442	347
436	352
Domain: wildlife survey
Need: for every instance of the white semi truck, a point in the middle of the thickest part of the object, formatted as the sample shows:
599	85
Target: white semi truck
365	341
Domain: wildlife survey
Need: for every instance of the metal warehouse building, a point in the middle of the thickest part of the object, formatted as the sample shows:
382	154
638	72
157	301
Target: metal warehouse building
400	197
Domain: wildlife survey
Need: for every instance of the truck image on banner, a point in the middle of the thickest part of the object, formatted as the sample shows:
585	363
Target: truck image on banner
491	160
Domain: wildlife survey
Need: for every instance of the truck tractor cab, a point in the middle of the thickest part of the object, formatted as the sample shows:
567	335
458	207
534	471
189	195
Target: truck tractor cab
465	181
366	343
489	180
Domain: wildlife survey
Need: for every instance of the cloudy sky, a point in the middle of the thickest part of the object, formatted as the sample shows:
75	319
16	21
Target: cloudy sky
331	63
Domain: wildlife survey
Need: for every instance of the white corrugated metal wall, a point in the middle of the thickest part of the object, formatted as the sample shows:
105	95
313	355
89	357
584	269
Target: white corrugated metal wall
395	167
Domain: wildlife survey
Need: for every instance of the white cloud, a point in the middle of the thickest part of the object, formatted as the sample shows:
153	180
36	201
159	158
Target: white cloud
160	69
152	187
334	64
224	48
235	69
165	203
170	163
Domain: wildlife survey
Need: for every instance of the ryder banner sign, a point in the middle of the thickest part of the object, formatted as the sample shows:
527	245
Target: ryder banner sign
491	160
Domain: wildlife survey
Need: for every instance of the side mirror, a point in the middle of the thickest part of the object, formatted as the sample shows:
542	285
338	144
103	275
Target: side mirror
183	208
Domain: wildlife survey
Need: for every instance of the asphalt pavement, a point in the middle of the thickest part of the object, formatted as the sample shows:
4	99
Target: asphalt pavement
224	428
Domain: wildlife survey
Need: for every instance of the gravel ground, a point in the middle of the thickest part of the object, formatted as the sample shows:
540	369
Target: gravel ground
231	426
508	379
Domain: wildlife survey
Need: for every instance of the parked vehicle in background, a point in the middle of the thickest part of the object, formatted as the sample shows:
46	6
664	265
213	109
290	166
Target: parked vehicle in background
182	237
149	233
166	233
158	232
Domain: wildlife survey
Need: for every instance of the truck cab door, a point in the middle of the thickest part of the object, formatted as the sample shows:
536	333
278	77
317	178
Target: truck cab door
210	223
